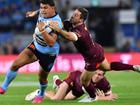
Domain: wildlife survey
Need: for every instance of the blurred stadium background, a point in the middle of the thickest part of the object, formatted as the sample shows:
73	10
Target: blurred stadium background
115	24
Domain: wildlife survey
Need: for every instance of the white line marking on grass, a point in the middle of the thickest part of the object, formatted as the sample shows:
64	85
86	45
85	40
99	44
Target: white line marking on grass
23	83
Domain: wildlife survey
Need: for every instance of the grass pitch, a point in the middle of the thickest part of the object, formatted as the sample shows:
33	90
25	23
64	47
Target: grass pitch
125	84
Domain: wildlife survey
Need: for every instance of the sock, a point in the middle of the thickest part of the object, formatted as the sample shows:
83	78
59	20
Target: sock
118	66
8	79
58	82
42	89
90	90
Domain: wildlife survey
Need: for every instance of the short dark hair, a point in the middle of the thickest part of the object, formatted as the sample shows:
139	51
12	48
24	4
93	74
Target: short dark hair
49	2
84	13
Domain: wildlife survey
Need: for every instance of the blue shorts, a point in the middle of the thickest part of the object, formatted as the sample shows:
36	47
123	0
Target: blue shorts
46	61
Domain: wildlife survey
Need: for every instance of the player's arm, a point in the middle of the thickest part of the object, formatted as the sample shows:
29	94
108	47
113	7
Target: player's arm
49	94
32	13
100	95
68	35
61	92
50	38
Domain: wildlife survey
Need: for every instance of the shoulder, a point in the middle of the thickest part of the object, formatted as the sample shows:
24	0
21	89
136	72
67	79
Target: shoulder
105	81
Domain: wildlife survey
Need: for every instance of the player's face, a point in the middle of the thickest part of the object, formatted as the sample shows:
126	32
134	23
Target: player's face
47	10
76	17
98	76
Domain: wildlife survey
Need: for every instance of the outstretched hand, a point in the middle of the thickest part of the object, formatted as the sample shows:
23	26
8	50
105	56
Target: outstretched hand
30	14
101	95
41	26
112	97
54	26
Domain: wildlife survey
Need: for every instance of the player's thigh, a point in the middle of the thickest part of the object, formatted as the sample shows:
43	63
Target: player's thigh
61	92
105	65
86	77
46	61
25	57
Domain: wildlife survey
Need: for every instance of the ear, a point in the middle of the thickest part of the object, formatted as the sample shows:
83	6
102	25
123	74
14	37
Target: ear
54	8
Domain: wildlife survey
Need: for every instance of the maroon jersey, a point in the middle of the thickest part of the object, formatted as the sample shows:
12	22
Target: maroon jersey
92	52
73	81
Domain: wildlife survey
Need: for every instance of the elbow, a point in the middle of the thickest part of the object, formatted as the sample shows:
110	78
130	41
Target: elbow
74	39
72	36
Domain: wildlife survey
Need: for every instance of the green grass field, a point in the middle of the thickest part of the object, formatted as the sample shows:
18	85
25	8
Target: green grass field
125	84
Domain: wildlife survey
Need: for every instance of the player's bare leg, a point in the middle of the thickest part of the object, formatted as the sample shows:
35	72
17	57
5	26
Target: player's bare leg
85	81
86	77
25	57
105	65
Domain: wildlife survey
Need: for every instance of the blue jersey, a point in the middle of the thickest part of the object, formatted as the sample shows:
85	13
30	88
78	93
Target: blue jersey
46	49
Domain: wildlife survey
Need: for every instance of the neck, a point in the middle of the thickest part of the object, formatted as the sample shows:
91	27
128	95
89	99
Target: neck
54	13
78	24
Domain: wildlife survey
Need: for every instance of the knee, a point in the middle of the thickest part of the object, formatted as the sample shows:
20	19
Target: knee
43	77
14	66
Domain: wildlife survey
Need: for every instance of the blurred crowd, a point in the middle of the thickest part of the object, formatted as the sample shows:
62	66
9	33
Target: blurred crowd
13	23
12	15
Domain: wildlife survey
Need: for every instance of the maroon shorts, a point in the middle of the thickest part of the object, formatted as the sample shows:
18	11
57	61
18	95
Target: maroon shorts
92	63
73	80
72	77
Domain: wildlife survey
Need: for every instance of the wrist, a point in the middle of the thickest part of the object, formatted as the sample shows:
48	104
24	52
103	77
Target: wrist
59	30
42	31
36	12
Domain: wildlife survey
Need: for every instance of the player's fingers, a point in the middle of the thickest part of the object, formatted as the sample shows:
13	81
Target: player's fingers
98	90
29	14
96	93
102	93
41	25
115	96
